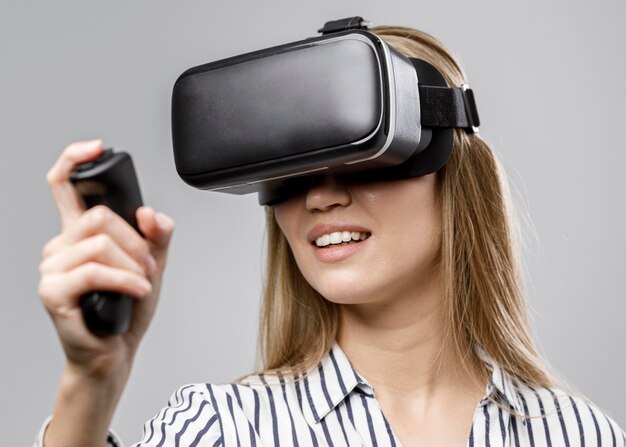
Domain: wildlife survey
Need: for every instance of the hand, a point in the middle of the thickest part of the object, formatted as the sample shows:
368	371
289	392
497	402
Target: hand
98	250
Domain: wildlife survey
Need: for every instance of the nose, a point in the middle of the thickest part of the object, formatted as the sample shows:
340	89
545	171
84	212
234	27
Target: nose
326	193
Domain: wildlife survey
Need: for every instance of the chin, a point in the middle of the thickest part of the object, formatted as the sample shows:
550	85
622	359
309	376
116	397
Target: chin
344	298
345	289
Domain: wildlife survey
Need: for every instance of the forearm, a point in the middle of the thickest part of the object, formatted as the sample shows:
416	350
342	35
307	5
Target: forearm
83	410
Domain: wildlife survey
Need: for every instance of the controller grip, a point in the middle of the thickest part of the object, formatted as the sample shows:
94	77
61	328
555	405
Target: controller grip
106	313
111	181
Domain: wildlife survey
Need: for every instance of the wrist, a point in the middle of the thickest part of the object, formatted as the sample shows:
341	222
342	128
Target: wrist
78	380
84	408
101	368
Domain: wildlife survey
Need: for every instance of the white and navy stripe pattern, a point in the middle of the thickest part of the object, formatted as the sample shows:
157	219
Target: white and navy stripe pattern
334	406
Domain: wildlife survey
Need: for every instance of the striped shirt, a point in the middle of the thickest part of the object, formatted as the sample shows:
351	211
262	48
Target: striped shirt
335	406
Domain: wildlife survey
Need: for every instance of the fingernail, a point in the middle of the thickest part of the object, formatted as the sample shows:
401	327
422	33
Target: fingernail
150	264
163	220
143	287
90	146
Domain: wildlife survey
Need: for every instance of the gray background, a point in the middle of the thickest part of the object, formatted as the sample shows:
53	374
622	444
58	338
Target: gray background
549	79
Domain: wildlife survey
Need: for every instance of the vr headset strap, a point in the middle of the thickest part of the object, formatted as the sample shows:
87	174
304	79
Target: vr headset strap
448	107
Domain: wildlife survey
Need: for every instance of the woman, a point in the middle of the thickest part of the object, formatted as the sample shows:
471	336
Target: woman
393	315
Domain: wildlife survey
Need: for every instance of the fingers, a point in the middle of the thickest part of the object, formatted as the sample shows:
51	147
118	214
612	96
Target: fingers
67	200
60	291
101	220
157	229
100	248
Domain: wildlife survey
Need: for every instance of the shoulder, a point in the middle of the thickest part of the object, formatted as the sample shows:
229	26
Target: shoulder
214	414
554	413
189	418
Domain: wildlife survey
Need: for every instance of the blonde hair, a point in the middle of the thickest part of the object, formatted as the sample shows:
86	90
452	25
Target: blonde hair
483	295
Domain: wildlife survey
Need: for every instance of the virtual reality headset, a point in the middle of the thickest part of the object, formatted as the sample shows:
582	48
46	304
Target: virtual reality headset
345	103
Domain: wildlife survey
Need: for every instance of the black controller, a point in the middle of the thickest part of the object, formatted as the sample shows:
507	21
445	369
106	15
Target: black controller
109	180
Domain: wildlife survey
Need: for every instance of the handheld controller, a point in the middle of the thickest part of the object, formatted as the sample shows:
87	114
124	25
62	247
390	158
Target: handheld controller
109	180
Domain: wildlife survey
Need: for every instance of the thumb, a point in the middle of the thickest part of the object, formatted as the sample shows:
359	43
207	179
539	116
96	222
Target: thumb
156	227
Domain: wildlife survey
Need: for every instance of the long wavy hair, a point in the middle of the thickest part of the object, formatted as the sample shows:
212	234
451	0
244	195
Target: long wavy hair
483	296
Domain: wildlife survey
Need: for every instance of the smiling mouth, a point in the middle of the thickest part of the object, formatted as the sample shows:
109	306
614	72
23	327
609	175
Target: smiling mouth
338	238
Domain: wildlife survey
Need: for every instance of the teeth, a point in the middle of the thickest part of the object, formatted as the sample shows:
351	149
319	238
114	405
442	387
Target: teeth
339	237
323	241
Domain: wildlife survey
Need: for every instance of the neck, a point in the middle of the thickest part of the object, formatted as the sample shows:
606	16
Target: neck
399	347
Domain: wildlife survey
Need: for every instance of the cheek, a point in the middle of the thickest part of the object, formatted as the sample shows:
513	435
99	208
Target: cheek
411	213
286	218
417	241
404	204
289	218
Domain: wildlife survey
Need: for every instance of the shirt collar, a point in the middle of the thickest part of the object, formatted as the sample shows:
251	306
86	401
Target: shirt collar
501	387
333	379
